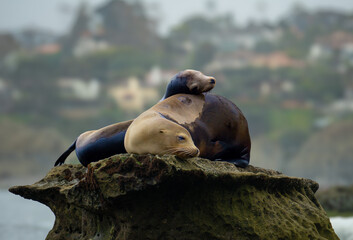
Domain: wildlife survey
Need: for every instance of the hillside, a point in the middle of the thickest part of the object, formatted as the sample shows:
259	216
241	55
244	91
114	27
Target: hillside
27	151
327	156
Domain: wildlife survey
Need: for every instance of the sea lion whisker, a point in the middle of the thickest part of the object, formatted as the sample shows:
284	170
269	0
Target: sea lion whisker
178	151
184	152
169	151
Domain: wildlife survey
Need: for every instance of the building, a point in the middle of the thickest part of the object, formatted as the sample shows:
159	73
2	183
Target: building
242	59
80	89
32	38
230	60
276	60
132	96
338	44
48	49
87	45
156	76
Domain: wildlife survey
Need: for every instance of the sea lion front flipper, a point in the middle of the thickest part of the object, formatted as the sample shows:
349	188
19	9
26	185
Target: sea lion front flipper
227	154
238	162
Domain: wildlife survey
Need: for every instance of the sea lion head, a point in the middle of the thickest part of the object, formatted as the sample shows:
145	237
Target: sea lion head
160	136
197	82
190	82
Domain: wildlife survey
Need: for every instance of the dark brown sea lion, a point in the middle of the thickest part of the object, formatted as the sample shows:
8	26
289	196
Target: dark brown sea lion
94	145
217	126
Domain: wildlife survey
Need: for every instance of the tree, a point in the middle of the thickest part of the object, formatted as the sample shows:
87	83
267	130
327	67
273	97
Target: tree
127	24
202	55
79	28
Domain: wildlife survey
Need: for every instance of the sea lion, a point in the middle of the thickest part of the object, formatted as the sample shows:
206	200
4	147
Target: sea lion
97	144
94	145
152	133
217	126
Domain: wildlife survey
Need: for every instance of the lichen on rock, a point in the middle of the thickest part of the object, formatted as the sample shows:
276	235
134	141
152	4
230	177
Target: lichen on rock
152	197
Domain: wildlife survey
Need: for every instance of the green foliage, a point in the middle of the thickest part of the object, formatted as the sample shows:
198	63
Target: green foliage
282	120
243	82
290	128
108	65
318	83
193	28
105	65
294	44
36	68
202	55
265	47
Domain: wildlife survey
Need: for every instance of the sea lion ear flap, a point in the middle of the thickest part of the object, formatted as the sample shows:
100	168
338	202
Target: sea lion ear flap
193	87
161	131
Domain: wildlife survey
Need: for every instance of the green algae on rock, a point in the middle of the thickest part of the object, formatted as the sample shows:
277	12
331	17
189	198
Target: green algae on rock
151	197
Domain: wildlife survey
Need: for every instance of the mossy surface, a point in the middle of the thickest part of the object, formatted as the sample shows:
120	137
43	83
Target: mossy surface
152	197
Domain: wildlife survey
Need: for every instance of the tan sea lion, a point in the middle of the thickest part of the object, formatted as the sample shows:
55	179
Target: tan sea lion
152	133
98	144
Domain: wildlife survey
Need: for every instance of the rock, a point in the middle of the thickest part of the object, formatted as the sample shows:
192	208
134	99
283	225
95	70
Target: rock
337	199
152	197
326	156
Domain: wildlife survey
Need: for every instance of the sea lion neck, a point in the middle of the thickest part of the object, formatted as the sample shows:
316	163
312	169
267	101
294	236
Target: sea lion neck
176	85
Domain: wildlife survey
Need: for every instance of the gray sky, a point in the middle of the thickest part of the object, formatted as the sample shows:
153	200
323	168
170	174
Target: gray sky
56	15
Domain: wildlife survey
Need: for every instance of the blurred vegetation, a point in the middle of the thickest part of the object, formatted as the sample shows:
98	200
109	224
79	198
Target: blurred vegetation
337	200
326	155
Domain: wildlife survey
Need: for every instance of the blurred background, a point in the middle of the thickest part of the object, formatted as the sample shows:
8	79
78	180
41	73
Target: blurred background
71	66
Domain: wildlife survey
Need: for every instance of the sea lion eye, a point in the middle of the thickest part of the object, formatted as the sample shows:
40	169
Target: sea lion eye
181	138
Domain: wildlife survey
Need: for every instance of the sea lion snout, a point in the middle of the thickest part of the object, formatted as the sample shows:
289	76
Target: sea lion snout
188	152
197	82
197	152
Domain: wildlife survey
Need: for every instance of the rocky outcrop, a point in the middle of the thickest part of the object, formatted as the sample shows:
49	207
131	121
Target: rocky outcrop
337	199
151	197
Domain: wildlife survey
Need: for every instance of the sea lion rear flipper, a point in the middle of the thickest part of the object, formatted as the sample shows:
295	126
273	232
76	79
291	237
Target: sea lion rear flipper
63	156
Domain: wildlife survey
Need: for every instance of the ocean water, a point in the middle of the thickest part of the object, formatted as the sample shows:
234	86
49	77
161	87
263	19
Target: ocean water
23	219
343	227
26	219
